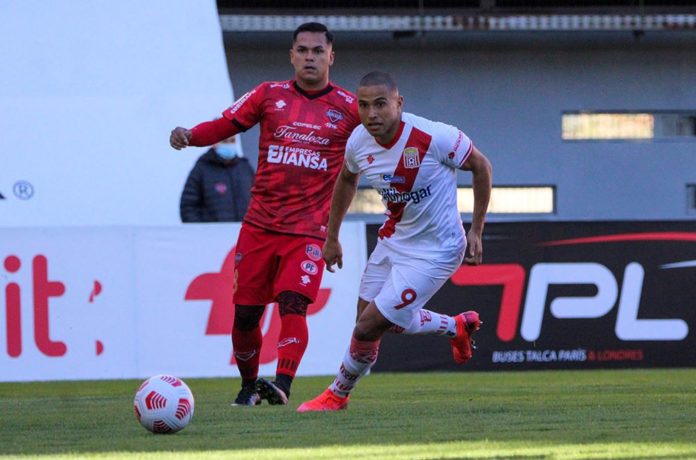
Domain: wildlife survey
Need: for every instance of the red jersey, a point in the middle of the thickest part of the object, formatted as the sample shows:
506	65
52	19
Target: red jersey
301	149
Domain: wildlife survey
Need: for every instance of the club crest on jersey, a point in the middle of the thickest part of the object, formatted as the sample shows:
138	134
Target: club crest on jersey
370	159
313	251
334	115
309	267
411	158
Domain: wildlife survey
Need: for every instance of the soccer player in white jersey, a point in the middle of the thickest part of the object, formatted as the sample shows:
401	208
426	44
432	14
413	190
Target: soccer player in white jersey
412	162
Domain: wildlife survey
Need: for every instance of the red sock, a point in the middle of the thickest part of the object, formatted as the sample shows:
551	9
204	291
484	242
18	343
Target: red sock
292	343
247	350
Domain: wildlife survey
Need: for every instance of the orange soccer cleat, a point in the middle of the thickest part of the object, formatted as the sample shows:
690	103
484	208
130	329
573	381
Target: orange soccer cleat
467	323
327	401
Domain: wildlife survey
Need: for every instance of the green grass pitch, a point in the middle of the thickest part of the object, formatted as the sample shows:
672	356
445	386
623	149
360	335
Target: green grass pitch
639	414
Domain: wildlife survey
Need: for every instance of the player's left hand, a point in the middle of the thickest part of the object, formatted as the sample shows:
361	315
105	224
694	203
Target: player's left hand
474	248
332	252
180	137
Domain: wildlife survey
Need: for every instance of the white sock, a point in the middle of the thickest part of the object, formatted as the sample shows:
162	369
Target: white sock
356	363
426	322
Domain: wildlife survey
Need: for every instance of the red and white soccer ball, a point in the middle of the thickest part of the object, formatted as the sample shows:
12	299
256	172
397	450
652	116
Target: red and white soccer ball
163	404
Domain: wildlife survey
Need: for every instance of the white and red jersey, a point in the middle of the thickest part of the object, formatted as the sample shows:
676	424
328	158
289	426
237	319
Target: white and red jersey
417	179
301	145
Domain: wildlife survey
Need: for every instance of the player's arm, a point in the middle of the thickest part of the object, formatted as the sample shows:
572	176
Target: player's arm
203	134
344	191
242	115
482	172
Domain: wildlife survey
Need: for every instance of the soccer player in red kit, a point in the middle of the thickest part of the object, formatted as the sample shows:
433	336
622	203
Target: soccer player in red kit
305	123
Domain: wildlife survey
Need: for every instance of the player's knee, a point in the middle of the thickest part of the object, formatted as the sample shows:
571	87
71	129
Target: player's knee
292	303
247	317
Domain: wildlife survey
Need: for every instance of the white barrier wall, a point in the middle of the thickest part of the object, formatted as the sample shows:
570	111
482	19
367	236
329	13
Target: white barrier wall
89	92
130	302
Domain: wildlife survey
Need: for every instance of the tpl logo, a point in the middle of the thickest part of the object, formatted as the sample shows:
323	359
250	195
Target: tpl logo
43	290
626	298
217	287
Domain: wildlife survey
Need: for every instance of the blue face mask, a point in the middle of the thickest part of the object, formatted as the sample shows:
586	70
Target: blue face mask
228	151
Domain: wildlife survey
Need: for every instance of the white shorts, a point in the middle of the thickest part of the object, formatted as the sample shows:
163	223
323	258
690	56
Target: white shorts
401	286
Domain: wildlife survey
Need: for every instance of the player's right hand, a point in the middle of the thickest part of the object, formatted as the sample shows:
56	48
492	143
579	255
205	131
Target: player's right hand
332	254
180	137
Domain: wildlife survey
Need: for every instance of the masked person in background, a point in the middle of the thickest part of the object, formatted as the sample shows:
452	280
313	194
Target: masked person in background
218	187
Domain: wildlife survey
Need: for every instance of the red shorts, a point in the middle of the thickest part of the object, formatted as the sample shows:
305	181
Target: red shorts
268	263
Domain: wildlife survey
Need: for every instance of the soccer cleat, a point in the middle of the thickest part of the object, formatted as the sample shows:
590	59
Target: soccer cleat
327	401
247	397
270	392
462	347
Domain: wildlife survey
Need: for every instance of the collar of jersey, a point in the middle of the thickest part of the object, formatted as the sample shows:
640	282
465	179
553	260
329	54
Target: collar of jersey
392	142
313	95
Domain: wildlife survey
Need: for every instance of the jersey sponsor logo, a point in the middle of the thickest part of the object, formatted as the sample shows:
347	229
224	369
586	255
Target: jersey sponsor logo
330	125
290	133
280	85
391	179
417	145
241	101
309	267
349	99
394	196
280	104
411	158
334	115
313	251
301	124
302	158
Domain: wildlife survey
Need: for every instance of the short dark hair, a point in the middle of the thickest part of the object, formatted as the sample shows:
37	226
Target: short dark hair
313	27
377	78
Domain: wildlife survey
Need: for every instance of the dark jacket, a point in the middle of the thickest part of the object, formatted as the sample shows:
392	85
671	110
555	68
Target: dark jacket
217	190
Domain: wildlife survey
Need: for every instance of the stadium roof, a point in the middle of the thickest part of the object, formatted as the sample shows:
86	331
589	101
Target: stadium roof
461	15
368	7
